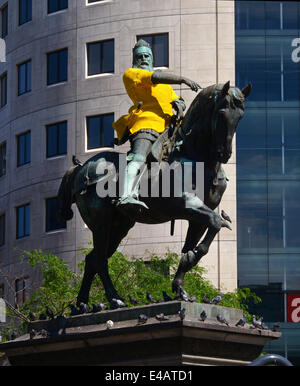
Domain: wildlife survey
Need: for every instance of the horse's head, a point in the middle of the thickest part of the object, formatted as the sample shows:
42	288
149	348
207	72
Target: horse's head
228	110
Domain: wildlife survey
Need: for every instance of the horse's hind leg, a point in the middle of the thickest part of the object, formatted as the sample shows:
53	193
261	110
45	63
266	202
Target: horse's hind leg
89	274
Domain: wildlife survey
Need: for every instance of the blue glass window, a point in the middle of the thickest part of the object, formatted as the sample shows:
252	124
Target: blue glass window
57	5
23	221
160	48
24	77
25	11
57	66
2	159
4	21
52	223
24	148
99	131
101	57
3	90
56	139
2	230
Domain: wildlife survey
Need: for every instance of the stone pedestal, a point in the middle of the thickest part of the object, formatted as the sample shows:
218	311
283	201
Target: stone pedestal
87	341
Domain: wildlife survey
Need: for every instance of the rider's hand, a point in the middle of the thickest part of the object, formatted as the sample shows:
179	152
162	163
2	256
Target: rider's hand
192	85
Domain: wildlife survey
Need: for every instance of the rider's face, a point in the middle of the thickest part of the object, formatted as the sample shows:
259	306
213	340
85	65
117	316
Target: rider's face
142	58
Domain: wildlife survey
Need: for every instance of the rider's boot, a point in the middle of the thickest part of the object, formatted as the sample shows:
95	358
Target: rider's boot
131	184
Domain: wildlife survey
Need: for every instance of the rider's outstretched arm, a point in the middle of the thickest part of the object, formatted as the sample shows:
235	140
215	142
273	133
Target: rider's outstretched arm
168	78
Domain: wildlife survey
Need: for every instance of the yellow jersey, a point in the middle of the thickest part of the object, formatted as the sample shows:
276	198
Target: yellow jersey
156	110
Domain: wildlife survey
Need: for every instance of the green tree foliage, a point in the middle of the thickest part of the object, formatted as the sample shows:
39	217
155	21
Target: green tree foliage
130	276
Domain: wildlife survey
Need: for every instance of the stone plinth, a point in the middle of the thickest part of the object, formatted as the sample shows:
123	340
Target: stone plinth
172	342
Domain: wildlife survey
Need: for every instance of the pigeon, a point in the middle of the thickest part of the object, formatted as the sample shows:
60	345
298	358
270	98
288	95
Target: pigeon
181	313
222	320
42	317
167	298
134	301
150	298
225	216
44	333
192	298
98	307
162	317
109	324
263	325
32	334
183	294
84	308
76	161
118	303
217	299
142	319
49	313
203	316
258	323
74	310
241	322
276	327
31	316
205	299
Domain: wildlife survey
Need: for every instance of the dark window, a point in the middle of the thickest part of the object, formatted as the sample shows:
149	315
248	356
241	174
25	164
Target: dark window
24	149
3	86
52	223
23	221
101	57
24	77
2	229
4	21
1	290
25	11
57	5
21	291
99	131
56	139
57	66
160	48
2	159
94	1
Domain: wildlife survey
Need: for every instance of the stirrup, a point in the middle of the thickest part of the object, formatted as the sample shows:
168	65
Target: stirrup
129	200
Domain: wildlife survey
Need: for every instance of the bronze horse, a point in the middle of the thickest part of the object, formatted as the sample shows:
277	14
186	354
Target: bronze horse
205	135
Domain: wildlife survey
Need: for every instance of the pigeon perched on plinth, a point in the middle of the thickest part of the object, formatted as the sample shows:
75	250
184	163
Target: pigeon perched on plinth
217	299
225	216
31	316
150	298
44	333
166	297
32	334
241	322
181	313
142	319
42	317
13	335
134	301
221	319
98	307
203	316
161	317
84	308
205	299
118	303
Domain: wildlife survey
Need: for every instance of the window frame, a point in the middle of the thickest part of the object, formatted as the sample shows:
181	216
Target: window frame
2	229
58	80
101	64
3	159
101	129
26	150
3	86
4	17
26	232
58	128
28	16
21	293
27	77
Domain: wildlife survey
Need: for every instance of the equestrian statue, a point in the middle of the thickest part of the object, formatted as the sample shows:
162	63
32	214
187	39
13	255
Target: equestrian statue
158	131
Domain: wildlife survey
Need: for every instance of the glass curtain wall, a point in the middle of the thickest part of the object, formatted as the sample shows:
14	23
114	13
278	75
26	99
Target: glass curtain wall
268	161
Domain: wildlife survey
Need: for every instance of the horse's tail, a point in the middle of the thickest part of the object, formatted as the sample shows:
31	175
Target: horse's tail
65	195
